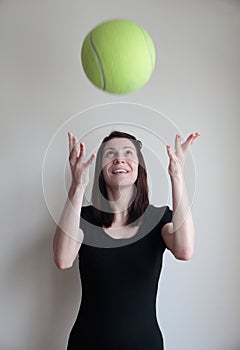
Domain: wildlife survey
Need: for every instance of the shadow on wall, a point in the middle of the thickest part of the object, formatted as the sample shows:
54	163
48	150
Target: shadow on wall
42	300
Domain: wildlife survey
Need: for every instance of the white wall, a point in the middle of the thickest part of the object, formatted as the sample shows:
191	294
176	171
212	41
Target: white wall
195	87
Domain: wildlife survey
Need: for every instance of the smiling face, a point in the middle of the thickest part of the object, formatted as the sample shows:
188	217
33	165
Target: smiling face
119	162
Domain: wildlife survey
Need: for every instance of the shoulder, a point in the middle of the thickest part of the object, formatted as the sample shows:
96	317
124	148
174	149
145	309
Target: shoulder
156	217
88	213
163	213
163	216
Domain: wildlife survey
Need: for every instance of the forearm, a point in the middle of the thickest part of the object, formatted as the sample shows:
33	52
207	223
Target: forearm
70	217
183	227
68	235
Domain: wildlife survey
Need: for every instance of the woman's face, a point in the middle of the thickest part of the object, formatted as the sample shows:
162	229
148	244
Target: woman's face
119	162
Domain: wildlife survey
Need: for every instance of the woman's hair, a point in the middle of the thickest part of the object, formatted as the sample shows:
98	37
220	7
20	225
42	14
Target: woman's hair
101	208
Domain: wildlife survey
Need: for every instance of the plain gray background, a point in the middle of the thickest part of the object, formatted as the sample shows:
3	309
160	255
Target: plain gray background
195	87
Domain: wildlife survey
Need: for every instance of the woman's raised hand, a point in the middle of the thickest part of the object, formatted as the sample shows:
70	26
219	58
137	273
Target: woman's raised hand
79	168
177	159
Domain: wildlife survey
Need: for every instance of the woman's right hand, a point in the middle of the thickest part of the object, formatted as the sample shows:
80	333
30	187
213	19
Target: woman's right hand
79	168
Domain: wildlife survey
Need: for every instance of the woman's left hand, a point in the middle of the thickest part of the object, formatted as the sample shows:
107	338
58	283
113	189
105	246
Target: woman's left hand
177	159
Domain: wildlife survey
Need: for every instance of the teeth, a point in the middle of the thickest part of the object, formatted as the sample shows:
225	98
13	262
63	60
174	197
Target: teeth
120	171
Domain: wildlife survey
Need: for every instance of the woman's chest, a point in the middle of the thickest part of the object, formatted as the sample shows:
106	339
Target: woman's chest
121	232
141	257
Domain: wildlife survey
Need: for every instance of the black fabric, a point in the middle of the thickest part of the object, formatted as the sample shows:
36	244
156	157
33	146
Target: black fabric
119	286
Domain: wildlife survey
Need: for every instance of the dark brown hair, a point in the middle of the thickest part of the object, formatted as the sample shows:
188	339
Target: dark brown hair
101	208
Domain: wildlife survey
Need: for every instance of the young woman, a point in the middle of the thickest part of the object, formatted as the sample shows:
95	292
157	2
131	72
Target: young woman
120	242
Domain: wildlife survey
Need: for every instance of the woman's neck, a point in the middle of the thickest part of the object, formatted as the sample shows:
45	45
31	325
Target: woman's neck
120	199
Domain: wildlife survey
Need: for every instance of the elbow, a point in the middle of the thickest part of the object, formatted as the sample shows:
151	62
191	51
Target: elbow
184	254
62	264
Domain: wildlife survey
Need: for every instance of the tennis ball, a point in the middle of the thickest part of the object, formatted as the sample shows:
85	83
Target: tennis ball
118	56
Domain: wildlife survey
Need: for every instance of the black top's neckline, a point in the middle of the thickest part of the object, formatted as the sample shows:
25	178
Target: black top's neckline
150	222
122	239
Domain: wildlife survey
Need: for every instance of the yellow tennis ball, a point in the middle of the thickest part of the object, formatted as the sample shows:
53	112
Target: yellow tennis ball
118	56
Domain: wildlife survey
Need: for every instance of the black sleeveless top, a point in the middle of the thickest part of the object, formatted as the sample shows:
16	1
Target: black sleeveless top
119	286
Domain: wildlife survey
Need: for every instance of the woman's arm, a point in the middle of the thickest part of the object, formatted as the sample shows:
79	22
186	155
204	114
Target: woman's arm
179	234
68	236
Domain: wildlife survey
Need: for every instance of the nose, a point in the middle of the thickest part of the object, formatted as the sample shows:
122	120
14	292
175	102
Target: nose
118	160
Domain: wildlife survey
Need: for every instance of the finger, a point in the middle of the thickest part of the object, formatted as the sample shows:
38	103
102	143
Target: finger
90	160
74	152
197	134
194	137
169	151
70	141
177	142
190	137
189	140
82	153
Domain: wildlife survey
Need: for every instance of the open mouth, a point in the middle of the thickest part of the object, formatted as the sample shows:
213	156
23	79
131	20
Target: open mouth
120	171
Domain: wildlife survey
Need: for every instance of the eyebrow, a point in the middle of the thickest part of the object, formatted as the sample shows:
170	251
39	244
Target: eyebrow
112	148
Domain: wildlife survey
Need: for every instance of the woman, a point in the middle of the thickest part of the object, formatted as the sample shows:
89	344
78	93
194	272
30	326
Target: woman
121	241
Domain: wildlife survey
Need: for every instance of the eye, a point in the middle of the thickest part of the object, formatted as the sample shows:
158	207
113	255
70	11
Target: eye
109	154
129	153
